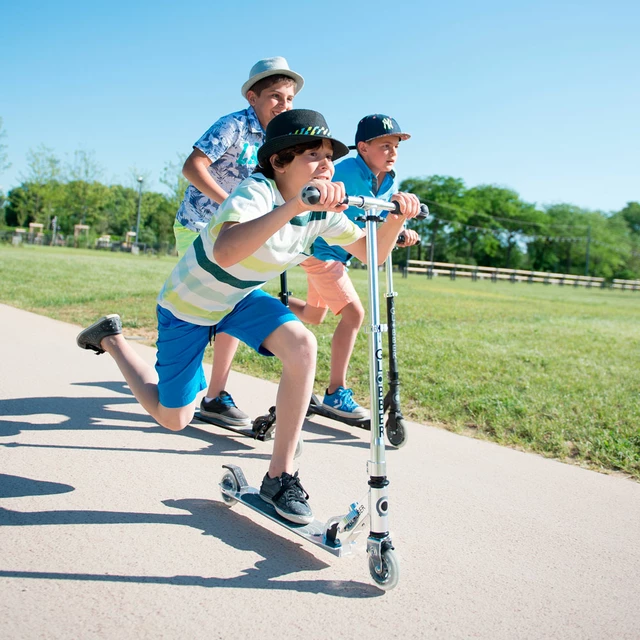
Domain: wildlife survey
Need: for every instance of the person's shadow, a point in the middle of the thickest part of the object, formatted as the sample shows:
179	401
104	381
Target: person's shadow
112	413
212	518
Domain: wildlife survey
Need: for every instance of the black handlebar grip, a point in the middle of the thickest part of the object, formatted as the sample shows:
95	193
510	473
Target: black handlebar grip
310	195
424	212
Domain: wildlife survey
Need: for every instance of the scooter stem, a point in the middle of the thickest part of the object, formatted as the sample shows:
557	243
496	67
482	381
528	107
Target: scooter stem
377	468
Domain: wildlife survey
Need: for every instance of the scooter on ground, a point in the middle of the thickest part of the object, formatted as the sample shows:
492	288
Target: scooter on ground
338	534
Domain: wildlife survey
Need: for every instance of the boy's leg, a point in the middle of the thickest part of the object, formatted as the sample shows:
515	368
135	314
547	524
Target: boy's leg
265	324
295	346
143	382
218	403
344	339
169	401
306	312
220	406
331	286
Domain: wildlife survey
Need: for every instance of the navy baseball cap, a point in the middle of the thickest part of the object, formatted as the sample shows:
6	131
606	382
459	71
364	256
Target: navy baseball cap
378	125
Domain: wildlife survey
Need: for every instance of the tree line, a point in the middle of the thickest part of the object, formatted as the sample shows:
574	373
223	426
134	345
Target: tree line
492	226
486	225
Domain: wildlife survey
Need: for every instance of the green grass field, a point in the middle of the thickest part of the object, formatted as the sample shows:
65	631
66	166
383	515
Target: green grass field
549	369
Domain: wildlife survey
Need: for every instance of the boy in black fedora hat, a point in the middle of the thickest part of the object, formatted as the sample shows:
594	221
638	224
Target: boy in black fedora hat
223	156
262	229
370	173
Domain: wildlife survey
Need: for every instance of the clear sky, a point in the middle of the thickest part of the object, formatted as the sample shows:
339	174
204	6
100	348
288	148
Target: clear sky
542	97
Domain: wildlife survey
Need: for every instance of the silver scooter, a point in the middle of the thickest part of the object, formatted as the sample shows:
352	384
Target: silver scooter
338	534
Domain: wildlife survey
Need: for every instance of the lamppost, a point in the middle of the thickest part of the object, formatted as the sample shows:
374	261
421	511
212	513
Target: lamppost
140	181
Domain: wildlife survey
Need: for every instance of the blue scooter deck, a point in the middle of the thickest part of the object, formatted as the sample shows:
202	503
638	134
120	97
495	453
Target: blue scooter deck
250	496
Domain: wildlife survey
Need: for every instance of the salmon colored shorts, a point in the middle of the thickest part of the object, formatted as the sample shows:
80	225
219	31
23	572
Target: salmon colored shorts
329	285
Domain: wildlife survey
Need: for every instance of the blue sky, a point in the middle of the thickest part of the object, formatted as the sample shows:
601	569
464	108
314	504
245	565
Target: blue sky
541	97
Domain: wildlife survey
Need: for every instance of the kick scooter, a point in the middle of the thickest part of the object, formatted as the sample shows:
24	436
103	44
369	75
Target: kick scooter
338	534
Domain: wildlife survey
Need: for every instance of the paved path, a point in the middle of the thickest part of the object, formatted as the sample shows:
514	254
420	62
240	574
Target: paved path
112	527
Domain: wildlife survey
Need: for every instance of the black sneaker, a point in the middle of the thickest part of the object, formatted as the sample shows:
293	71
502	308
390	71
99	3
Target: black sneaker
223	410
91	337
288	497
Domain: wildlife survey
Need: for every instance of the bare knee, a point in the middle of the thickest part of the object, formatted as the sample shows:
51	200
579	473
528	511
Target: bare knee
301	351
353	314
175	419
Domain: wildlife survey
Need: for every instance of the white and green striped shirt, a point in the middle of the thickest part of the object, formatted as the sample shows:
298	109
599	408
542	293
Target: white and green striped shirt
201	292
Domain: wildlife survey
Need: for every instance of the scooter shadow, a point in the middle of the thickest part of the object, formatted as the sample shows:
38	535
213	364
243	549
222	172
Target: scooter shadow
280	558
344	435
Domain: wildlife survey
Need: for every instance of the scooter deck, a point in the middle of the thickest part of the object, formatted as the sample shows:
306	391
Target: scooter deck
250	496
243	431
318	409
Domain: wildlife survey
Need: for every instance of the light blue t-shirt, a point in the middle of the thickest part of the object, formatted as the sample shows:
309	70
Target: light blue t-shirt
232	145
358	180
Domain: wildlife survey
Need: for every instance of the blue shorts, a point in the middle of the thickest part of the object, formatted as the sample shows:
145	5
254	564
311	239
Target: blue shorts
181	344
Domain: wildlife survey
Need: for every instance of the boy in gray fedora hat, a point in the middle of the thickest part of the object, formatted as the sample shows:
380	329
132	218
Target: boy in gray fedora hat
262	229
224	156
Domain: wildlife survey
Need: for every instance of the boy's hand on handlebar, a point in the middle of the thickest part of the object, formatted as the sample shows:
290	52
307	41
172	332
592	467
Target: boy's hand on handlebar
409	204
409	238
332	196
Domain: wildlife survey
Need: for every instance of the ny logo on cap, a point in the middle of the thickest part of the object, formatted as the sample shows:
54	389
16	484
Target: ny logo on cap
387	123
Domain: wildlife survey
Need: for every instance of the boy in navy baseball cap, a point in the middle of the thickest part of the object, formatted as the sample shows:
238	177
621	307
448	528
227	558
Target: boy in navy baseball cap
370	173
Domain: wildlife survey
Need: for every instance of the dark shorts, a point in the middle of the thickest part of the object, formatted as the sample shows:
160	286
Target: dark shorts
181	344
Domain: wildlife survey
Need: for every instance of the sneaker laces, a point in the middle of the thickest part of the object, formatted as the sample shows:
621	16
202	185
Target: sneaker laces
291	488
348	402
226	400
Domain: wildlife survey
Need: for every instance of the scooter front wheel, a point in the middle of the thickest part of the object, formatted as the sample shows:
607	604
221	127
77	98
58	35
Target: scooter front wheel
387	574
396	431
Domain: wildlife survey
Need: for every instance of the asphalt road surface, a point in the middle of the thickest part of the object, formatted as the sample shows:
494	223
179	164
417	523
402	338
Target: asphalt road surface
113	527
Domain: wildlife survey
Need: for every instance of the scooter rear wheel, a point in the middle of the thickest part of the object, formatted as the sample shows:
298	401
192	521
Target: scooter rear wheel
386	576
261	427
396	431
228	482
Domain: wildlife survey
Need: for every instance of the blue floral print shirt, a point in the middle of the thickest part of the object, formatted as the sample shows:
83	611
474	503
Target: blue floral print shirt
232	146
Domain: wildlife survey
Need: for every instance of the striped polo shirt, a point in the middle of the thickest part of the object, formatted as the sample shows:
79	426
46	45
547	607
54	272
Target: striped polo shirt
201	292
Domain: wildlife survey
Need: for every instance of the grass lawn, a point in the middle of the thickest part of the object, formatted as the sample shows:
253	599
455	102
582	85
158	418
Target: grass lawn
549	369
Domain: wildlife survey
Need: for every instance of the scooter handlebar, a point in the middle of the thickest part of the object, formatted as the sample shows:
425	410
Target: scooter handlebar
310	195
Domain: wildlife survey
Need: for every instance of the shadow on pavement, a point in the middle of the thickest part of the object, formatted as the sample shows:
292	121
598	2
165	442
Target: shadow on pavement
19	487
18	415
213	519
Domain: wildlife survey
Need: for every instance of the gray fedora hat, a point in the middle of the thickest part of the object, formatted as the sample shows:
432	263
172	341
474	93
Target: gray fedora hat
271	67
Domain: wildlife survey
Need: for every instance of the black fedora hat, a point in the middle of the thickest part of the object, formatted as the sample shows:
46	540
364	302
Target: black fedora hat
290	128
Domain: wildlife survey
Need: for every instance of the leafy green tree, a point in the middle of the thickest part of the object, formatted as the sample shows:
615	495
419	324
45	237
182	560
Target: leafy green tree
120	210
156	220
631	216
41	185
84	196
444	196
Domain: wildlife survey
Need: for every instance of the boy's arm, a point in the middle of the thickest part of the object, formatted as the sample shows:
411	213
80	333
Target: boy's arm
195	170
388	231
238	240
214	143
